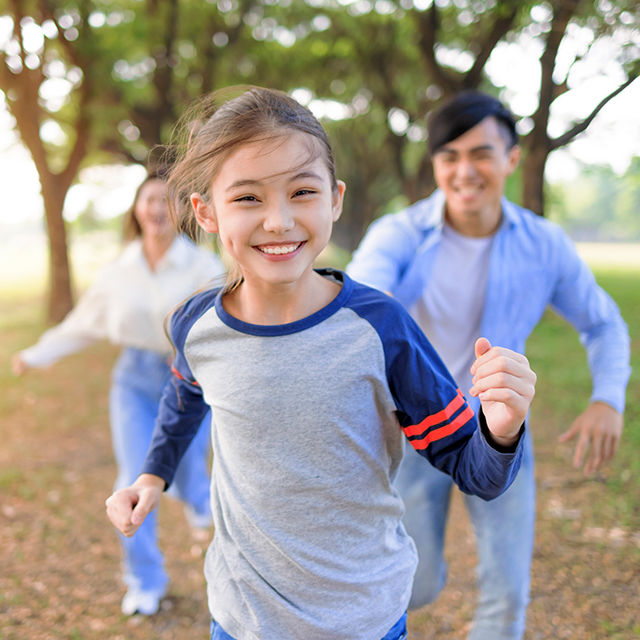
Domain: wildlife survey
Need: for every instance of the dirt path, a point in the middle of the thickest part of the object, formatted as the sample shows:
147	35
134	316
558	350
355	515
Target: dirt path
59	556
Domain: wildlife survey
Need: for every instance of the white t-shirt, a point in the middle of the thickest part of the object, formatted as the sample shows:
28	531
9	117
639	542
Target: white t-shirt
450	308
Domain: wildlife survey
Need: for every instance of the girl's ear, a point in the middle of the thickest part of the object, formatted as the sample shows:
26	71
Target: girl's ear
338	197
204	213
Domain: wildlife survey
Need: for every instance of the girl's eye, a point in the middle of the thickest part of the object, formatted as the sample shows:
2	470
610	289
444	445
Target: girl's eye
303	192
246	199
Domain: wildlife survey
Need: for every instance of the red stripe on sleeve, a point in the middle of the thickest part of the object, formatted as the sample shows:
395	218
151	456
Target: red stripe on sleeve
178	375
441	416
443	431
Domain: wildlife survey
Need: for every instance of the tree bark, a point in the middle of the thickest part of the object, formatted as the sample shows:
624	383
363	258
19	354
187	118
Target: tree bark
60	297
533	179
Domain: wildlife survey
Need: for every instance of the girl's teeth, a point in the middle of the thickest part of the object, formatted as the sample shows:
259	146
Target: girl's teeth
290	248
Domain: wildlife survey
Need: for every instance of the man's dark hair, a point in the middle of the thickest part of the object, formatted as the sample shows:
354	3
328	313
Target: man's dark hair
463	112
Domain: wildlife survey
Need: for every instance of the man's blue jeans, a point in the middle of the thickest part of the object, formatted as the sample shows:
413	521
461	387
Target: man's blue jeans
504	530
397	632
137	383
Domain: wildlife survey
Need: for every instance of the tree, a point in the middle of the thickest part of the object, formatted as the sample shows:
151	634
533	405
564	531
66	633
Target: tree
40	51
604	20
176	51
126	72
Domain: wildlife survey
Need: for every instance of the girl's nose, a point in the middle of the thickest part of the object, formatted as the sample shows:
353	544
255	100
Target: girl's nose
278	219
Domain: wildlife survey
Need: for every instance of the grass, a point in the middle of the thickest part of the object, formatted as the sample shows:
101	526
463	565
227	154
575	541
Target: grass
564	385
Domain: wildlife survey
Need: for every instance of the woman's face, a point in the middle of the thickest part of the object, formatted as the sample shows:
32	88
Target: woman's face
152	212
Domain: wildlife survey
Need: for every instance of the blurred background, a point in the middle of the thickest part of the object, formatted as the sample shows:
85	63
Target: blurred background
90	88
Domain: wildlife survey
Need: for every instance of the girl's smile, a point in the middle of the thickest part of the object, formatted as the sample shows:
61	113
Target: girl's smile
281	251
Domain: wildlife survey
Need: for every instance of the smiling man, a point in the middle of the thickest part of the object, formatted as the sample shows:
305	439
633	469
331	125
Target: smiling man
467	262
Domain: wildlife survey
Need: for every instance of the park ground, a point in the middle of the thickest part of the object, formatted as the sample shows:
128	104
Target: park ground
59	556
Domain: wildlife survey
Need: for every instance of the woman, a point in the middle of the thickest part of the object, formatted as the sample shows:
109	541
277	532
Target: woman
127	305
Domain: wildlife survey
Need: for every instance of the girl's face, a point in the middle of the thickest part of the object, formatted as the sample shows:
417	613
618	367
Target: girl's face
152	212
273	207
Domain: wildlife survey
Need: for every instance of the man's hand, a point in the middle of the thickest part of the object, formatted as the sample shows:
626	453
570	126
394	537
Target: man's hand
505	384
600	428
127	508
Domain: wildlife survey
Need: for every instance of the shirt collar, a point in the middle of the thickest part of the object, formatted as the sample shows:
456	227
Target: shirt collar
510	212
178	254
132	253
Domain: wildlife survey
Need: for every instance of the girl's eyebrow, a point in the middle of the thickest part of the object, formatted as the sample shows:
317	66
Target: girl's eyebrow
305	174
242	183
248	182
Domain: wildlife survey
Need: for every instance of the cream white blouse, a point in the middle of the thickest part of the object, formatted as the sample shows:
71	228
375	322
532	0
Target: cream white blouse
128	302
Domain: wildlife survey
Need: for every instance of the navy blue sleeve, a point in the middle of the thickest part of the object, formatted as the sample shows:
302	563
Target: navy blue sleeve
431	410
182	407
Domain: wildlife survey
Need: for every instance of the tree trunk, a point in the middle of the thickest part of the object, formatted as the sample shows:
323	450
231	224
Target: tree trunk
539	145
60	298
533	179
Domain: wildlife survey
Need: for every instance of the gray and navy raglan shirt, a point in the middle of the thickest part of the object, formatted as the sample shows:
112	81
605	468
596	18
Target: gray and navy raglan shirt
309	424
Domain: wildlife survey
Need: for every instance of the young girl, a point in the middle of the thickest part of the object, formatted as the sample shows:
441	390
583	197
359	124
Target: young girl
314	382
127	305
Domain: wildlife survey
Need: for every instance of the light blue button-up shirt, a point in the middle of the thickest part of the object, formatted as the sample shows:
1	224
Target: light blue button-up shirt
533	264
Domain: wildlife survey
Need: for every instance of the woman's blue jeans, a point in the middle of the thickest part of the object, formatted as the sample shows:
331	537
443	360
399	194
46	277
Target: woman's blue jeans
138	380
397	632
504	530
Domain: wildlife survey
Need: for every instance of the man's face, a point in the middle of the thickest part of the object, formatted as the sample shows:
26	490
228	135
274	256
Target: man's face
472	171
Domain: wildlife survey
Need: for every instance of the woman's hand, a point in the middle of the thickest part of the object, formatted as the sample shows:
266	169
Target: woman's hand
505	385
18	365
127	508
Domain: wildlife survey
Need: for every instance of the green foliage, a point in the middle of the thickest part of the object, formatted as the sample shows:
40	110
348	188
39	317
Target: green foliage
387	64
600	205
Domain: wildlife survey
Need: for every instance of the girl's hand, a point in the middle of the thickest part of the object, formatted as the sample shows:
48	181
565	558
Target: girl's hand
505	384
127	508
18	365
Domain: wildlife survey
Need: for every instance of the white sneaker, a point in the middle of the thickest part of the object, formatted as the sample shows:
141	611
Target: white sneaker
145	603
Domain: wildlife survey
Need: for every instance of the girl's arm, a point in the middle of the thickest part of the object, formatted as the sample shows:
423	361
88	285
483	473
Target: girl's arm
481	453
182	410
